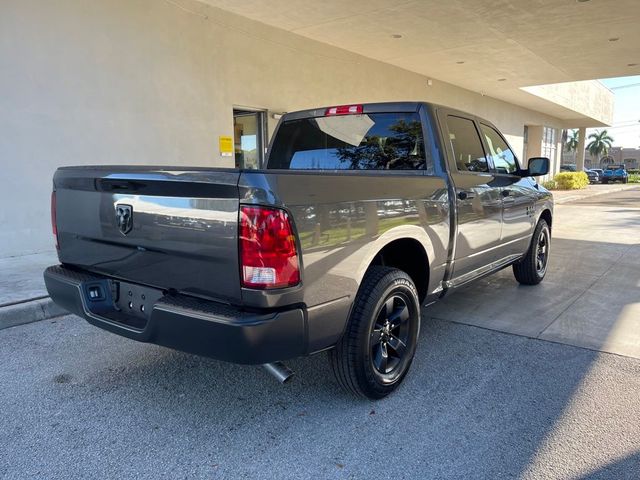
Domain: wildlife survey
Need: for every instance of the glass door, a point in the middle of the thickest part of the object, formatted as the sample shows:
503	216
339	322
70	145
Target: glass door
249	138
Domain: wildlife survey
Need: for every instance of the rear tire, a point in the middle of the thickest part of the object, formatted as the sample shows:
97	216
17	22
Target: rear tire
379	343
533	266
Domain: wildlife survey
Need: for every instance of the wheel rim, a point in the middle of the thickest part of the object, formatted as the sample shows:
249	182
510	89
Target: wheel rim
542	252
390	334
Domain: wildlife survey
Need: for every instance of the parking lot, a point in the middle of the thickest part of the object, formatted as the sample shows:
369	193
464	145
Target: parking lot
78	402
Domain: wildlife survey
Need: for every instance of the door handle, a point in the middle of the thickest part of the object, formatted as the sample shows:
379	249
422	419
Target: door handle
465	195
506	193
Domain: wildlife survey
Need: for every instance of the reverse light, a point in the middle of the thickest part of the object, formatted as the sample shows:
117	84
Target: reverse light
54	220
268	255
343	110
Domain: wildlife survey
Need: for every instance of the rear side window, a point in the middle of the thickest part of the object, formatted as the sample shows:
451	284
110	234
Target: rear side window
466	145
375	141
503	158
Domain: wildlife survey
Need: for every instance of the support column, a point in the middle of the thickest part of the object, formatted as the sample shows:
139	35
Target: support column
582	133
534	149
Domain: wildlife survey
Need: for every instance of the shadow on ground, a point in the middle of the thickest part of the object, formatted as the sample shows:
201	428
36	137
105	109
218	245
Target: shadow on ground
78	402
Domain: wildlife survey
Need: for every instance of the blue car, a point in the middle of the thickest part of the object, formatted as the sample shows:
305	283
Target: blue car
615	173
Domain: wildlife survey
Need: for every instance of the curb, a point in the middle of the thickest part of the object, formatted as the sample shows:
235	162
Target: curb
573	198
28	312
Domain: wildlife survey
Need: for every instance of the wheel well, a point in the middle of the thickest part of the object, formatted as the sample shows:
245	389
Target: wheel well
409	256
546	214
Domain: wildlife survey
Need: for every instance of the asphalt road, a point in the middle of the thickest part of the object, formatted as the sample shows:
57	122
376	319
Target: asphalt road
78	402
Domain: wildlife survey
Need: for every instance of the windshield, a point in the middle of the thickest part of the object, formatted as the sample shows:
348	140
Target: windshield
378	141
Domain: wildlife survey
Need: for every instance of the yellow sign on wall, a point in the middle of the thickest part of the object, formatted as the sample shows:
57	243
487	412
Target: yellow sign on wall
226	146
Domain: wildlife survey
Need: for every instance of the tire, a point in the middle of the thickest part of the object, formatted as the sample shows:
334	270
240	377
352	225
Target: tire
386	297
533	266
605	182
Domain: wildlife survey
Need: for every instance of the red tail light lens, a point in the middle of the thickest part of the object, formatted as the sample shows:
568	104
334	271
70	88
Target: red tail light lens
268	256
343	110
54	221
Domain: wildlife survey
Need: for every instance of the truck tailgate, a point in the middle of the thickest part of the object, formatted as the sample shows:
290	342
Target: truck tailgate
182	234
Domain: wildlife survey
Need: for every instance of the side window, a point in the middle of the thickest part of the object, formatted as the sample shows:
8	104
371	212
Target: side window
466	145
503	158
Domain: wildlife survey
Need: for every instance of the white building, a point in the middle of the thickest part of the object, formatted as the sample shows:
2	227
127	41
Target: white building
165	81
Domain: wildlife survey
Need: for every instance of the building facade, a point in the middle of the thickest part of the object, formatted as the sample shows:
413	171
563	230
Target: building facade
186	83
630	157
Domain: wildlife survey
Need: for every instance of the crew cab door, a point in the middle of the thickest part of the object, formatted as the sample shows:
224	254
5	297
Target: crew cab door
516	193
478	198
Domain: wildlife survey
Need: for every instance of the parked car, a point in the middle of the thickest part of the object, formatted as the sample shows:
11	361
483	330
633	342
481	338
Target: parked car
615	173
600	172
593	176
568	168
363	214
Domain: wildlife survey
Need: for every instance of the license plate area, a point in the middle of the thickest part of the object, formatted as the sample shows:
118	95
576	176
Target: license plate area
134	302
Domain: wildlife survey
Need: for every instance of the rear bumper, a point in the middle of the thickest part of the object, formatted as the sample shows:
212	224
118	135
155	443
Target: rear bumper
184	323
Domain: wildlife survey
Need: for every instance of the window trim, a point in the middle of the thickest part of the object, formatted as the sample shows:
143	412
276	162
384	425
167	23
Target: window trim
482	145
490	158
414	171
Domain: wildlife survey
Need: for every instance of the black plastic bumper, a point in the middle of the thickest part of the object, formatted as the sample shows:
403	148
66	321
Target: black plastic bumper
180	322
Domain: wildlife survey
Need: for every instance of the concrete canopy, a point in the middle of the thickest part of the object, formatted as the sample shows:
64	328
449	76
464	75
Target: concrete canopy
495	47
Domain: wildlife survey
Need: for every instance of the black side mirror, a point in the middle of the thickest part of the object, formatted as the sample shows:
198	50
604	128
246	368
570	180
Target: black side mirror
538	166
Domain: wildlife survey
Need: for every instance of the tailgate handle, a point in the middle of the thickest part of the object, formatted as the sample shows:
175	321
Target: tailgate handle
110	185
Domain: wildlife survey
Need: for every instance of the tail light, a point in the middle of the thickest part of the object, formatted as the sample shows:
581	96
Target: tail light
343	110
268	256
54	221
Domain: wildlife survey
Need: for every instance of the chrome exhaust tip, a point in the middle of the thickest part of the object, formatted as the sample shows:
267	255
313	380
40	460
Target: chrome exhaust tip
279	370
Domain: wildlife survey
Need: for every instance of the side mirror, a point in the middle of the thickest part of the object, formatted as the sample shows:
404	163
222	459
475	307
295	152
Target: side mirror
538	166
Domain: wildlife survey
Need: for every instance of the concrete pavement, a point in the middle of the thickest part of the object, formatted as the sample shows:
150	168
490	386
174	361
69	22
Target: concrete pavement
21	280
23	296
591	294
564	196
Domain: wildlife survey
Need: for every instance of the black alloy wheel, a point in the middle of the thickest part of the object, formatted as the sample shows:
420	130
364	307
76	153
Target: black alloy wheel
378	346
532	268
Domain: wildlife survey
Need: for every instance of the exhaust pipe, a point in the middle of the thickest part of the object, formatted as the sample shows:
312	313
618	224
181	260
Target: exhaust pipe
279	370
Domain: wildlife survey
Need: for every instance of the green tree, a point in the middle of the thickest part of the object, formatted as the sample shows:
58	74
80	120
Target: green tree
404	150
571	144
600	144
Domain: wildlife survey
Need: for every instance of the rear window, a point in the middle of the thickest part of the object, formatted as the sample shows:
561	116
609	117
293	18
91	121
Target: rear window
377	141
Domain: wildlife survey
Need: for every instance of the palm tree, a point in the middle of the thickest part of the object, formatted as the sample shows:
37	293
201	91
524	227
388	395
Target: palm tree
571	144
600	144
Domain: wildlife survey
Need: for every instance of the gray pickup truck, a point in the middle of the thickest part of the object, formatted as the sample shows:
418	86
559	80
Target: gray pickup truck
363	214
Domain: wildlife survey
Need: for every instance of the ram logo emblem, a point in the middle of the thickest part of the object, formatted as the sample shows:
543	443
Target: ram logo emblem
124	218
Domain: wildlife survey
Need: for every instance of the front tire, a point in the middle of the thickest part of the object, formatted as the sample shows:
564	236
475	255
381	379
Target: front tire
533	266
379	343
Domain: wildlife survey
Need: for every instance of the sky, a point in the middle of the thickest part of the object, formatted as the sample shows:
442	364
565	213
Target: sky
626	115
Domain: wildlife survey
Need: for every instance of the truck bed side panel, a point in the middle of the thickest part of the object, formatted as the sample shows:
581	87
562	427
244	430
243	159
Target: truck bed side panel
344	219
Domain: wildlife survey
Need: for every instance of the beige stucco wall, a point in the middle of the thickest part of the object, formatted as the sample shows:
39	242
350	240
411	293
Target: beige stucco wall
589	98
155	81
